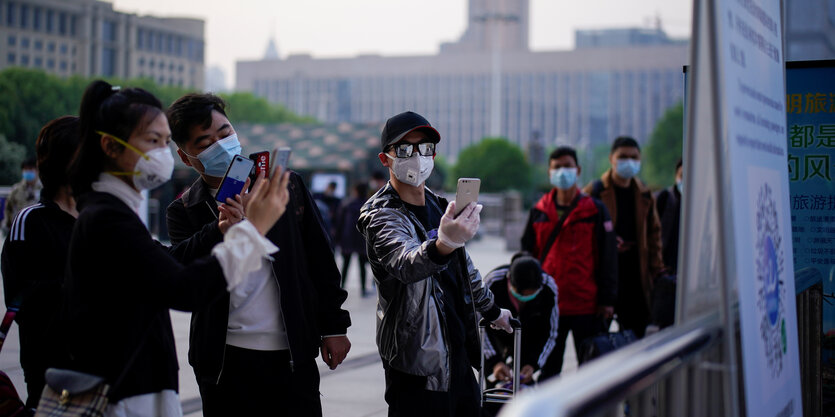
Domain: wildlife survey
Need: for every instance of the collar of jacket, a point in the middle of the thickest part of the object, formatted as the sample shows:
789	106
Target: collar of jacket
608	182
197	193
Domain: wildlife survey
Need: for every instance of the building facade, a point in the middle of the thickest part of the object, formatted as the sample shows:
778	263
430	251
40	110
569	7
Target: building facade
582	97
89	38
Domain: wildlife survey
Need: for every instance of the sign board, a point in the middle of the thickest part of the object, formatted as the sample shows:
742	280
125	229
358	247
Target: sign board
752	101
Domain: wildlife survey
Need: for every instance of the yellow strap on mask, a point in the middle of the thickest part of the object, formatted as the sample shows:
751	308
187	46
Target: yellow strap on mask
127	145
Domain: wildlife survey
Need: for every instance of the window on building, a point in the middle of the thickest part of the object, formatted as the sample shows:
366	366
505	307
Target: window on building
178	47
24	42
73	50
151	63
141	61
73	25
12	40
37	18
140	39
24	16
180	68
73	67
108	62
171	67
108	31
62	65
50	63
50	47
38	45
50	21
161	64
11	58
169	44
24	60
62	23
38	62
10	14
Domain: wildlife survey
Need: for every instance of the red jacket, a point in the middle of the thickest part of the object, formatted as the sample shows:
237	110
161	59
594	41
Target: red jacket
582	259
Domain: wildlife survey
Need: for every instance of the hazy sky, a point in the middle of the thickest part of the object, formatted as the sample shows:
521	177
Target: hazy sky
239	29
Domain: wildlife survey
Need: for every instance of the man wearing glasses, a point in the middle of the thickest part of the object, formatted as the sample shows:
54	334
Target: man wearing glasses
429	294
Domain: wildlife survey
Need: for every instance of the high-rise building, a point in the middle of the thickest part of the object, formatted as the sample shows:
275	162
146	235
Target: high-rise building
810	29
583	97
89	38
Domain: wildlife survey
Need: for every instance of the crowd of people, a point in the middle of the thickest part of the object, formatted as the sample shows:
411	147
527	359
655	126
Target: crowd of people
259	276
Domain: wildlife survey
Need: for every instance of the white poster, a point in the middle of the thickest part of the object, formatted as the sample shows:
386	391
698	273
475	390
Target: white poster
753	111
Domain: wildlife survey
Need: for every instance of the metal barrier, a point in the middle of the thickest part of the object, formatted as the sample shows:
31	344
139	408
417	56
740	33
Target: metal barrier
601	385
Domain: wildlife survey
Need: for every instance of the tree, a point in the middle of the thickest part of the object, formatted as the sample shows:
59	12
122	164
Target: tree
664	148
11	156
499	164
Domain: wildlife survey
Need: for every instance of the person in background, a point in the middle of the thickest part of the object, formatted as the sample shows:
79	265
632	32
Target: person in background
348	238
256	347
378	180
42	232
638	230
23	194
531	296
120	283
573	235
668	204
429	294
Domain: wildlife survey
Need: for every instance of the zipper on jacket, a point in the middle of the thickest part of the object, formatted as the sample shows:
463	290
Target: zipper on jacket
210	210
283	320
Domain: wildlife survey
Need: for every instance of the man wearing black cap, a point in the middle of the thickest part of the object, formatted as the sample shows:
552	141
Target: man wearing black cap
531	294
428	290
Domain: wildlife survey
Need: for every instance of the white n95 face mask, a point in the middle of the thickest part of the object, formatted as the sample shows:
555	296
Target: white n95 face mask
413	170
154	171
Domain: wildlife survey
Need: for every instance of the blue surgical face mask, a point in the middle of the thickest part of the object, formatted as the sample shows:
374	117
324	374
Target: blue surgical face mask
29	175
628	168
524	298
564	178
680	185
217	157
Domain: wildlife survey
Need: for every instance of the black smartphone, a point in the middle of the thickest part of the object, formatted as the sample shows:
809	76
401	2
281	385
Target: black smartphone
235	178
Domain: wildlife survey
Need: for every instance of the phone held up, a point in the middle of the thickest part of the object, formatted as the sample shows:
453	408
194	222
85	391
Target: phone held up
262	165
235	178
466	193
281	157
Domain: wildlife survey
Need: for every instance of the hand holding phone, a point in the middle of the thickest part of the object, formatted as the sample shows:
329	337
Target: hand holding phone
466	193
235	178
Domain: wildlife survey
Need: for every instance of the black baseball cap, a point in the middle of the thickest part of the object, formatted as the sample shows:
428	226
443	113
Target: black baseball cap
400	125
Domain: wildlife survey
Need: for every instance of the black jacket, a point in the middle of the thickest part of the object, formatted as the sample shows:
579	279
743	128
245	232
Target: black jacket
539	317
668	204
119	286
308	279
33	261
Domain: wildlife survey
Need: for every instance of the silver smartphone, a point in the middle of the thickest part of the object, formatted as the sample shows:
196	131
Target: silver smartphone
466	193
280	158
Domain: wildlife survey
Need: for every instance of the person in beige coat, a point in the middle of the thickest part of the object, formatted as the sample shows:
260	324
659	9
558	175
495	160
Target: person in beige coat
638	230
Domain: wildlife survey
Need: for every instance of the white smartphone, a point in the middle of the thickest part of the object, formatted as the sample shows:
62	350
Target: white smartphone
466	193
280	158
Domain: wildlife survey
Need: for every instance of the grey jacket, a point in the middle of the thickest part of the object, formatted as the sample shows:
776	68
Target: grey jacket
407	266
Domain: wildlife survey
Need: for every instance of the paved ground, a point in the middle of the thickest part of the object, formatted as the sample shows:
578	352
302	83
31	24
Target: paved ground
355	389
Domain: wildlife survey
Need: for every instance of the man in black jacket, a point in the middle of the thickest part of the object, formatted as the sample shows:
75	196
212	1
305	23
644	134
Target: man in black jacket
256	348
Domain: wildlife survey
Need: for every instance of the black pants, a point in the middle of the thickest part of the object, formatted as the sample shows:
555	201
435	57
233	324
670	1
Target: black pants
582	327
346	261
259	383
407	395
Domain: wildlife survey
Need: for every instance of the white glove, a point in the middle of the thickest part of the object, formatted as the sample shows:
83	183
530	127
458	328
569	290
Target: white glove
503	322
455	231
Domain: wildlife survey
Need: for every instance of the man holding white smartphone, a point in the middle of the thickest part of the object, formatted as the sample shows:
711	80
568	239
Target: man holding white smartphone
428	290
254	351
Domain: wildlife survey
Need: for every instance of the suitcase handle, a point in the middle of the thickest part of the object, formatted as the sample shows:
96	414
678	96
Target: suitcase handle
514	323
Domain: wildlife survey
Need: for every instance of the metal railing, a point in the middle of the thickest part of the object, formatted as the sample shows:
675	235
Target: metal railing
599	386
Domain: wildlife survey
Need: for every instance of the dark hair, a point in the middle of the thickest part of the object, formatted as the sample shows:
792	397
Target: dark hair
192	110
56	145
29	163
378	175
624	142
361	189
525	273
678	164
563	151
111	110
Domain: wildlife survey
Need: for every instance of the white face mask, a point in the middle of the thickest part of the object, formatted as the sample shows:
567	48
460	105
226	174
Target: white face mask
413	170
156	170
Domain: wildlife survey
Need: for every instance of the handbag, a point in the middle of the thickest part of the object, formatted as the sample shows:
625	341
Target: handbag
10	403
70	393
597	346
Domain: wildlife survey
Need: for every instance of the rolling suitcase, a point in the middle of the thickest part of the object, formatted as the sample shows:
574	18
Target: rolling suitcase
500	395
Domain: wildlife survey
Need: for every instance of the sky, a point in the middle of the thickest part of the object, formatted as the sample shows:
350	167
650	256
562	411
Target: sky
239	29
